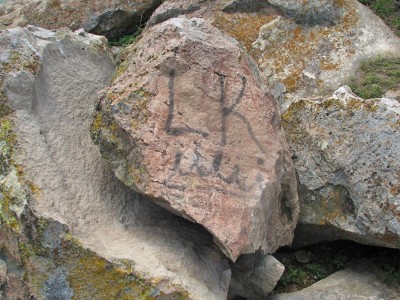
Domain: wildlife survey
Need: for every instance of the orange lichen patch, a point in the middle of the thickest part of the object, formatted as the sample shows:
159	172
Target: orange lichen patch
328	66
390	208
395	190
340	3
292	81
243	27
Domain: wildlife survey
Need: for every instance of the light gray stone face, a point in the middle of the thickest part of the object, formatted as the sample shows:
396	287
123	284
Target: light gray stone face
346	153
59	75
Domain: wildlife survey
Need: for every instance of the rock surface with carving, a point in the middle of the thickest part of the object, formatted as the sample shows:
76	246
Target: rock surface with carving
109	18
67	223
346	152
188	123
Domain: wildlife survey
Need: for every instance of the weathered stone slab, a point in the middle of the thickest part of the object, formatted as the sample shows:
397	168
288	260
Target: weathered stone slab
188	123
346	151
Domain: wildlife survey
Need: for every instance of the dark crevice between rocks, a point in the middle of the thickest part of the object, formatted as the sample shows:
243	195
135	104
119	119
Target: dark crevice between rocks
307	265
118	23
286	209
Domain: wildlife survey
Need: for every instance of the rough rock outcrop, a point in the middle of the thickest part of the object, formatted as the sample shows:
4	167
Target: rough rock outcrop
254	276
352	283
58	197
109	18
188	123
303	48
346	152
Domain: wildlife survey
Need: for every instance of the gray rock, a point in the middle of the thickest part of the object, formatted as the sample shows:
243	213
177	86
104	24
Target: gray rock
346	153
310	12
349	284
60	74
254	276
303	256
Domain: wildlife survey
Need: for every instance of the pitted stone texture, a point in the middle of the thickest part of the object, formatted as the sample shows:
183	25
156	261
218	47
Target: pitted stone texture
110	18
346	152
188	123
49	81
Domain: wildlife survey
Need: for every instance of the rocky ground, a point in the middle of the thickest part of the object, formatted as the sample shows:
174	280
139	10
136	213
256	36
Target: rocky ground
204	151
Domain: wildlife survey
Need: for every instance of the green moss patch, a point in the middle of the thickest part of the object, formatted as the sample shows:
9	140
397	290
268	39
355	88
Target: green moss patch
375	77
126	40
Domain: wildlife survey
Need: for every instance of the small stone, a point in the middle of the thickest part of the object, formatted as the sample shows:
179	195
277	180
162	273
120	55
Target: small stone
292	288
303	256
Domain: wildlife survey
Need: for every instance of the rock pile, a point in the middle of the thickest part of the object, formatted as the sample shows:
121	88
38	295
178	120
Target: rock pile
210	115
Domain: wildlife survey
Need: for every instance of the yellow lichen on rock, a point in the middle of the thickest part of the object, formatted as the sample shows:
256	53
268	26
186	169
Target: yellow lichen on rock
291	48
243	27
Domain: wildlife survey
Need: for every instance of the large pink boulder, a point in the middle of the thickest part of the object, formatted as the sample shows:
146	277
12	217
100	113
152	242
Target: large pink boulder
188	123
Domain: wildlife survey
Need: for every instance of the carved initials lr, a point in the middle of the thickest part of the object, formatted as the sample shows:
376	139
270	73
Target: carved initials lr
225	112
